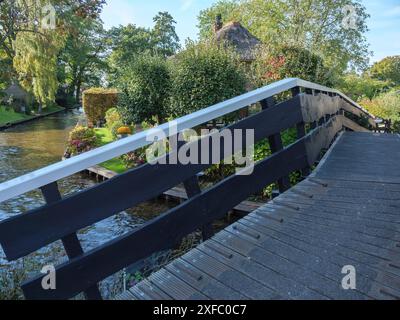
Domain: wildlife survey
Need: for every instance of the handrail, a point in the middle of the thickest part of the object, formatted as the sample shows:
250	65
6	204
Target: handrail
62	169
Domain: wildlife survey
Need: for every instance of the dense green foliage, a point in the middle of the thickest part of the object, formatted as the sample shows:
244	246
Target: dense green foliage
386	105
388	70
145	87
202	75
289	62
319	26
360	87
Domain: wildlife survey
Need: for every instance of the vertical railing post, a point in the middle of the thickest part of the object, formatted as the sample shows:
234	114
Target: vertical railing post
192	188
311	92
276	145
301	131
70	242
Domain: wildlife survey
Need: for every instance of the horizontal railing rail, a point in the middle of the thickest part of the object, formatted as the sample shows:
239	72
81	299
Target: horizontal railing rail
60	170
318	114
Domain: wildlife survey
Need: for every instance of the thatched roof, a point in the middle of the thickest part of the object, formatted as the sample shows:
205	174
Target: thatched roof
16	91
240	38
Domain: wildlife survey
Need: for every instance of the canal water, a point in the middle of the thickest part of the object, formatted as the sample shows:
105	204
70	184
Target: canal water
34	145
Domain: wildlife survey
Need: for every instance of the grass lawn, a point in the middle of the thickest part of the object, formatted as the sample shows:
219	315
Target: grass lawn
104	137
8	116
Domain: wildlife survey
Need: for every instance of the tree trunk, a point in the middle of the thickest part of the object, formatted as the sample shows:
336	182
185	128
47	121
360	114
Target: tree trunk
78	91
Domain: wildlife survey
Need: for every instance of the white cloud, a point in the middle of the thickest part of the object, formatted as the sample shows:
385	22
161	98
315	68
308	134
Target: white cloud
186	4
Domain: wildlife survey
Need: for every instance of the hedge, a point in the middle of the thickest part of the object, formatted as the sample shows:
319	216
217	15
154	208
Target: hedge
97	101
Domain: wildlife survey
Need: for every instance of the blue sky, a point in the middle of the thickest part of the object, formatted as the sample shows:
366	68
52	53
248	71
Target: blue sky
384	24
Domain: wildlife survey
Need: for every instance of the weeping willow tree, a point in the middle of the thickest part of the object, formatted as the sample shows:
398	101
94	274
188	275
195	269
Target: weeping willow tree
36	51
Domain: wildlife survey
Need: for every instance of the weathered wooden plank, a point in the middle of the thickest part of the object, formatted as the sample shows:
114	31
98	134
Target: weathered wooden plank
202	281
229	276
284	287
236	241
175	287
323	260
308	260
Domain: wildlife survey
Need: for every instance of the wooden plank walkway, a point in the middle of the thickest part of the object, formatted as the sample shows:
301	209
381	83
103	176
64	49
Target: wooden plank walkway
346	213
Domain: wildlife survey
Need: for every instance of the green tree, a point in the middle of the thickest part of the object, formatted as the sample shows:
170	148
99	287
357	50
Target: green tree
164	36
317	25
126	42
145	87
387	69
360	87
82	59
203	75
35	61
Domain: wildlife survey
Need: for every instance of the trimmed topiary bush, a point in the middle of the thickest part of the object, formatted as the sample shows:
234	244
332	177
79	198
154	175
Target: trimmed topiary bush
97	101
203	75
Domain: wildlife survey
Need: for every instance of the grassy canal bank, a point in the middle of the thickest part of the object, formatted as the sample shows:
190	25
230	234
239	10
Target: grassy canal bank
9	117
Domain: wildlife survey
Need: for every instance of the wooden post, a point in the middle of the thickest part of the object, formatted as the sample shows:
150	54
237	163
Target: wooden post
192	188
276	145
71	242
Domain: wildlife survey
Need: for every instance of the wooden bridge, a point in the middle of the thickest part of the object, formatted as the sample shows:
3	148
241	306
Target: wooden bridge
343	216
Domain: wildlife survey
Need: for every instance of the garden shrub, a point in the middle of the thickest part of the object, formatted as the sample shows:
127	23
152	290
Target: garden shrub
81	139
203	75
289	62
145	87
96	102
113	121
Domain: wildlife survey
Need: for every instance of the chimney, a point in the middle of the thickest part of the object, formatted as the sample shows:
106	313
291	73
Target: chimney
218	23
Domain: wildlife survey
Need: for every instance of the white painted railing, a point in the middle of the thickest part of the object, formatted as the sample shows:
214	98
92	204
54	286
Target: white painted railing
62	169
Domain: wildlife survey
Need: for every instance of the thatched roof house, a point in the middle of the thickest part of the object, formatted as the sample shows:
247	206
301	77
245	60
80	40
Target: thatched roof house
239	37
